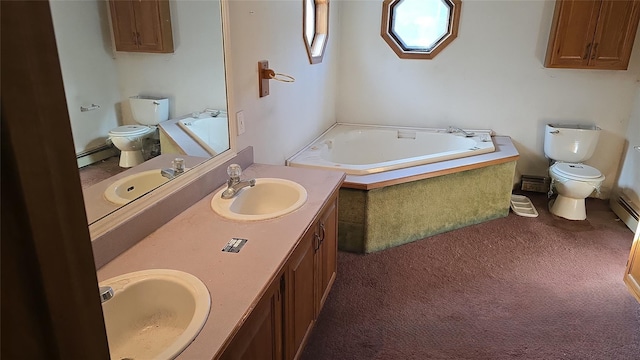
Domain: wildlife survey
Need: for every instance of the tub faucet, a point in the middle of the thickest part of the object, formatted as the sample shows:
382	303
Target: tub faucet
234	185
453	129
177	168
106	293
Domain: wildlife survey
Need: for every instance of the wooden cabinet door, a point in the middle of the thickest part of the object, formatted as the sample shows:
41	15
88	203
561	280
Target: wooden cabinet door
328	252
615	34
300	300
148	25
153	23
260	337
632	273
124	25
574	25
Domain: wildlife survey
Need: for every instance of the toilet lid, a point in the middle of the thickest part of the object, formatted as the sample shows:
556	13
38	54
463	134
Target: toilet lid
129	130
581	171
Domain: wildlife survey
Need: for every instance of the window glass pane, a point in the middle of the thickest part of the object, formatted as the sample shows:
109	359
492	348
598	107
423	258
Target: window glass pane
420	24
310	21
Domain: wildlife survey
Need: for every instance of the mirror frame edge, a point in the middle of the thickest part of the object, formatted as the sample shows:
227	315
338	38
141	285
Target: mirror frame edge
119	217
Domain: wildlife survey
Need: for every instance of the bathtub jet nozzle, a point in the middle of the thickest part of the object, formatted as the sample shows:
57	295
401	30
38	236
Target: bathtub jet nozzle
453	129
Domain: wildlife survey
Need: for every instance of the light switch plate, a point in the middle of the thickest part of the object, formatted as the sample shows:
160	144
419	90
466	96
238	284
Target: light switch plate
240	121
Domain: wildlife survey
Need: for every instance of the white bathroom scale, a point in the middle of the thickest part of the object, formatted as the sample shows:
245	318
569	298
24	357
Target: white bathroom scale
521	205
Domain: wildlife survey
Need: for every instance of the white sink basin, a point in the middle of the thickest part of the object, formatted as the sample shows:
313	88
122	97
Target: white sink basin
133	186
268	199
154	314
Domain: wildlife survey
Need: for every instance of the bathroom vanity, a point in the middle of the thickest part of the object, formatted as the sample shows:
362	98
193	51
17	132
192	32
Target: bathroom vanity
266	297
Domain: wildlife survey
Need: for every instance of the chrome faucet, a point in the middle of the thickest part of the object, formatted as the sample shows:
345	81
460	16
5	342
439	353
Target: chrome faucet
177	168
234	185
453	129
106	293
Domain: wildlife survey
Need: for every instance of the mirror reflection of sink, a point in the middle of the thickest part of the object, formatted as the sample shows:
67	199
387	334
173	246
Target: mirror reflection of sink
133	186
268	199
154	314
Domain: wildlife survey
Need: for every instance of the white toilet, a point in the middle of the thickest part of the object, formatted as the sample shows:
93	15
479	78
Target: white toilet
568	146
148	112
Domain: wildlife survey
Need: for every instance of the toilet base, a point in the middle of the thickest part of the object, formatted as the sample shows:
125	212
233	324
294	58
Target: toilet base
568	208
131	158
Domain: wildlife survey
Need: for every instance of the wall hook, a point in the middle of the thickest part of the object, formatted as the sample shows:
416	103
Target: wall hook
265	74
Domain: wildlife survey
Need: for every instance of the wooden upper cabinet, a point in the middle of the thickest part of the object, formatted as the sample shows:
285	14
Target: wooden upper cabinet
142	25
593	34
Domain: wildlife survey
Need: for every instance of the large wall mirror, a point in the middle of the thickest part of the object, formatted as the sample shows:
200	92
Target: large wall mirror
99	81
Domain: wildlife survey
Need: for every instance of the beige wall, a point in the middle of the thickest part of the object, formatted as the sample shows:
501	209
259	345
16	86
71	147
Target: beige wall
293	114
192	77
629	179
88	69
491	76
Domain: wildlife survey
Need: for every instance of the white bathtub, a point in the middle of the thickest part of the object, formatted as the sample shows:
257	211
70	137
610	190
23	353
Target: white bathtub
210	132
367	149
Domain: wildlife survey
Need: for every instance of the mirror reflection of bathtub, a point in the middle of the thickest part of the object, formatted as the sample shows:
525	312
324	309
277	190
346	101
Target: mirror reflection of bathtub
203	135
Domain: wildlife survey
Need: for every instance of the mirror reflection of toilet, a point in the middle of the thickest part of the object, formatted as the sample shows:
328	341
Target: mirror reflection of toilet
148	112
568	146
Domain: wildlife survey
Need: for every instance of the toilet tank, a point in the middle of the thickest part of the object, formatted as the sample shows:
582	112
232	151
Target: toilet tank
570	143
149	110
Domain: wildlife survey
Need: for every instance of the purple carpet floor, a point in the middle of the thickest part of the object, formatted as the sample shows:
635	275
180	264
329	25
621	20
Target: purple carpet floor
511	288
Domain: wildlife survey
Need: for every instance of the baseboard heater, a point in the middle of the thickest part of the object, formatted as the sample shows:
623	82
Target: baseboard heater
626	211
94	155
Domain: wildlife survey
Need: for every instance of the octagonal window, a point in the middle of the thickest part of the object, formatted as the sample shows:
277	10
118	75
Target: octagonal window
315	26
419	29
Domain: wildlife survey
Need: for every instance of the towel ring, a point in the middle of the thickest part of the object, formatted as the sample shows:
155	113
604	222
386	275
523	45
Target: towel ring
279	76
265	74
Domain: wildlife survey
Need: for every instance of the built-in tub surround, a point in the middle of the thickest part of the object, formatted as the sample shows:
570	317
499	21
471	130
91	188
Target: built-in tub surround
391	208
192	242
196	135
210	132
369	149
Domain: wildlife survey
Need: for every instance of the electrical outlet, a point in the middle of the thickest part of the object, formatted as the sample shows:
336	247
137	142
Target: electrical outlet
240	121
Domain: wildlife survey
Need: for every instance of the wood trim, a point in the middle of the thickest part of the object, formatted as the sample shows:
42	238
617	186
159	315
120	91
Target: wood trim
632	273
47	263
505	152
321	9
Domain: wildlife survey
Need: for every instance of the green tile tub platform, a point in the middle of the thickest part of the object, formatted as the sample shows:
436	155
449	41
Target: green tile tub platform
392	208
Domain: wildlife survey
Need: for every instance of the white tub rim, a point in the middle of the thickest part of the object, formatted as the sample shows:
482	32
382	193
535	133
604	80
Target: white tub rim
363	170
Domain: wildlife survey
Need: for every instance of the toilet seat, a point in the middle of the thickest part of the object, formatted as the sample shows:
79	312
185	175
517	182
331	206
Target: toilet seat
576	171
130	130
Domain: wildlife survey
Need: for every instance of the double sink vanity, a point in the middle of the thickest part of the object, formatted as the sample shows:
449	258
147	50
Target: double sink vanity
266	258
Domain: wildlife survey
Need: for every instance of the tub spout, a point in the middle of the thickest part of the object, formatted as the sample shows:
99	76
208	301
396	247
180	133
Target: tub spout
453	129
